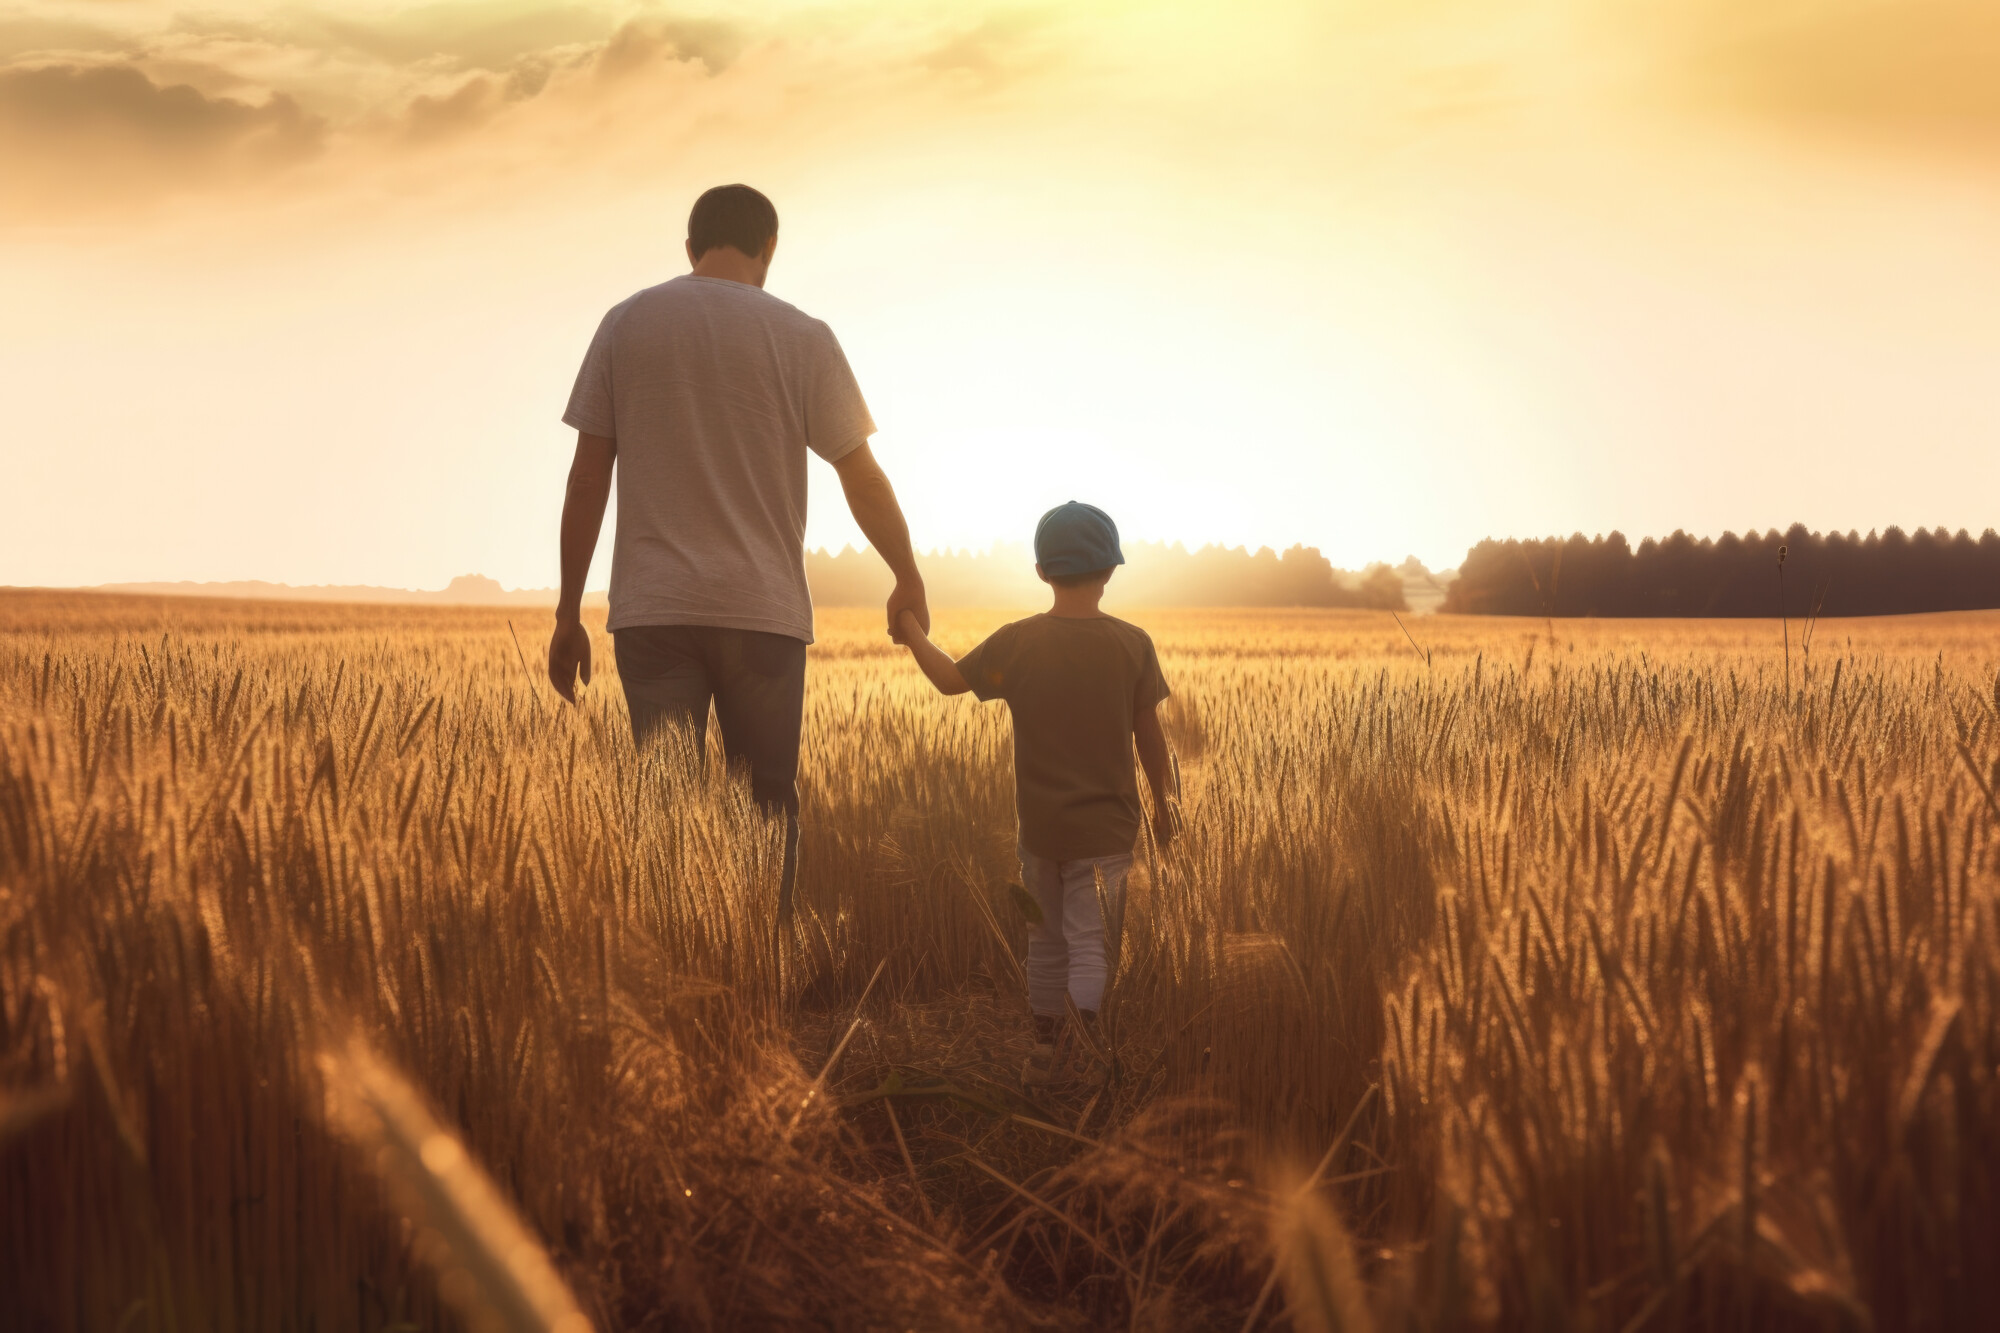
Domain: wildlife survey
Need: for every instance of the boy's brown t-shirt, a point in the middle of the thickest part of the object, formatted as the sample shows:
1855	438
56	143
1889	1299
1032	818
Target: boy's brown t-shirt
1073	687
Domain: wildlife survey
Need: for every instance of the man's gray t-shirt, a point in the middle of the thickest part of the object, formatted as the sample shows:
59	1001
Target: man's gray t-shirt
714	390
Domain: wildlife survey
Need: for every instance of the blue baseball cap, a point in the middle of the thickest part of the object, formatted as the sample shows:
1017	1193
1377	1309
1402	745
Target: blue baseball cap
1076	538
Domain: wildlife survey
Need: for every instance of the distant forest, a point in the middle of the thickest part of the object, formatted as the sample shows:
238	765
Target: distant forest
1155	574
1831	574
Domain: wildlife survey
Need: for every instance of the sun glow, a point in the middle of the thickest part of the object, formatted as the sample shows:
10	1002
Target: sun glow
297	294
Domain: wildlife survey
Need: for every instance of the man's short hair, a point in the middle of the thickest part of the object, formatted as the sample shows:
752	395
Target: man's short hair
734	215
1080	580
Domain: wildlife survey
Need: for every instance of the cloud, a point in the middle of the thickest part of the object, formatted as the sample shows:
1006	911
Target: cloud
628	55
128	105
118	102
430	118
990	50
639	43
28	34
1915	70
475	36
112	105
85	136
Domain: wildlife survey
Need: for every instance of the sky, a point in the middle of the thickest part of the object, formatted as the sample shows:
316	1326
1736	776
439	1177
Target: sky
297	291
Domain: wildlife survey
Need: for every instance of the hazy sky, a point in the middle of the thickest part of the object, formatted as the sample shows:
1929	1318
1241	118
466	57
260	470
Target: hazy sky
297	291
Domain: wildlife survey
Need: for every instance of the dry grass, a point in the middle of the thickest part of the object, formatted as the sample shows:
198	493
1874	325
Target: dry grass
1678	987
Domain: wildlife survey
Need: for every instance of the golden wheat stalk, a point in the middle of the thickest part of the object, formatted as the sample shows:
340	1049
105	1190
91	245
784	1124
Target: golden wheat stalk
489	1266
1325	1288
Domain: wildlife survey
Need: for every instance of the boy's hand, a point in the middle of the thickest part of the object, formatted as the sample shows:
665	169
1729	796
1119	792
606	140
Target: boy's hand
1166	825
908	629
908	598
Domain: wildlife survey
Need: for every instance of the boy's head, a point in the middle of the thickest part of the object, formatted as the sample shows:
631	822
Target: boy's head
1076	544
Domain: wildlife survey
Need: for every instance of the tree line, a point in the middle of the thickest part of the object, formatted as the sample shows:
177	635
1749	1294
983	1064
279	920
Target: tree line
1155	574
1832	574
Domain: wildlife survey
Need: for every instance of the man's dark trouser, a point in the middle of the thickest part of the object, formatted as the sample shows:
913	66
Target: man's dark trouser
758	683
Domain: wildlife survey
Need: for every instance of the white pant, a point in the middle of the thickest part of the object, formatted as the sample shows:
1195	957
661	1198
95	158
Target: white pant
1066	952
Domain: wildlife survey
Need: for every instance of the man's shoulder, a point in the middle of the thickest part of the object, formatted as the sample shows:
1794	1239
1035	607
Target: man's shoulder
738	299
617	313
693	287
636	309
784	309
672	292
809	328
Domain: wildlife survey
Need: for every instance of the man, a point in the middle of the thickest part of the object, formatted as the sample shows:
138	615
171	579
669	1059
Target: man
706	393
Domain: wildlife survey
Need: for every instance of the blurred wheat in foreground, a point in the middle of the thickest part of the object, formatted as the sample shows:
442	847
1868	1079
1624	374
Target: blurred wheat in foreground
1611	982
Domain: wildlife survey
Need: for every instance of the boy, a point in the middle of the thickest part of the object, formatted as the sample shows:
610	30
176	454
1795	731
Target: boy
1083	688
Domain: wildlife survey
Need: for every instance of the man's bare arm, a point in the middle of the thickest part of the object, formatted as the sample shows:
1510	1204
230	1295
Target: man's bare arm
872	501
582	519
936	663
1151	739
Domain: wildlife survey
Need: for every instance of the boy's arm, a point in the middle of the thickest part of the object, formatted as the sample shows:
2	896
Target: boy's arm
936	663
1153	757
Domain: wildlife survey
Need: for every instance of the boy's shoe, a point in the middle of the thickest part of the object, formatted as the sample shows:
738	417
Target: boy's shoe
1039	1069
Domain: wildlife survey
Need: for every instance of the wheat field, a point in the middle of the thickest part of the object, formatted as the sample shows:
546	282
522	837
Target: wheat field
1571	975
